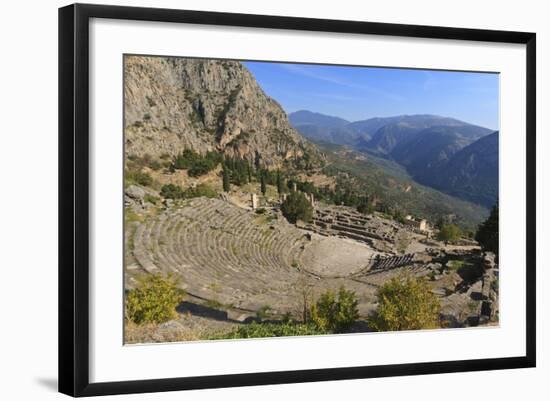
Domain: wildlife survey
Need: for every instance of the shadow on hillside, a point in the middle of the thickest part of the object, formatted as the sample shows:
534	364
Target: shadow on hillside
360	326
203	311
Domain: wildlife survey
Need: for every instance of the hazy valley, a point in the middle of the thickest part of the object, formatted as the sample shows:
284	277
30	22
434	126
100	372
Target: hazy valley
430	148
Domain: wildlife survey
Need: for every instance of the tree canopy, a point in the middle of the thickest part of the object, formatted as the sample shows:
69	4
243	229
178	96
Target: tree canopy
405	304
154	300
297	207
487	233
449	233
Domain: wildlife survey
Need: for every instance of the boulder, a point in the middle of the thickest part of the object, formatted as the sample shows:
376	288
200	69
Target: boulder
135	192
489	260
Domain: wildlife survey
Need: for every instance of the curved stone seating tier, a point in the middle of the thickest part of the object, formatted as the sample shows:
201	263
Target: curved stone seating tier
393	261
221	252
240	259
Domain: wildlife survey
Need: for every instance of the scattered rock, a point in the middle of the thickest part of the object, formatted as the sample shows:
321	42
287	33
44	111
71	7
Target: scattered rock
135	192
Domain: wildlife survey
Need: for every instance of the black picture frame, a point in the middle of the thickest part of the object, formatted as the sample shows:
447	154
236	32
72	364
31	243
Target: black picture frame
74	198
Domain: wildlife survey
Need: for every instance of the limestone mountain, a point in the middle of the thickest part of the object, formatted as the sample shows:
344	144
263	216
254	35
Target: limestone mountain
172	104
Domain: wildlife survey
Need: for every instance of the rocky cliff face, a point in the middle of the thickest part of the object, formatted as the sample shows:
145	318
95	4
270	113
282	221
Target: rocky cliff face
176	103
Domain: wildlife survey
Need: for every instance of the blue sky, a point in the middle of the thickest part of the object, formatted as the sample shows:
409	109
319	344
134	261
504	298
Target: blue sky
358	93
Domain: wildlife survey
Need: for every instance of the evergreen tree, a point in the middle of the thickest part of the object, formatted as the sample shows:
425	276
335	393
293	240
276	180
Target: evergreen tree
226	185
257	161
297	207
249	172
439	223
487	233
262	183
280	187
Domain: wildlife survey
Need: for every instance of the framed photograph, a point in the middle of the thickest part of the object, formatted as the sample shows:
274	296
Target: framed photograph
251	199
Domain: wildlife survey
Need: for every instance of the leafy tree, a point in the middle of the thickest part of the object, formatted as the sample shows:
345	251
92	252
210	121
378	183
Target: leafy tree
225	179
405	304
487	233
297	207
262	184
154	300
335	313
449	233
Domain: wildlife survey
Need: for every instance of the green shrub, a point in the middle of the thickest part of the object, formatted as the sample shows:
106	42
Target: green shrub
200	190
258	330
405	304
365	208
200	167
155	165
195	163
154	300
297	207
264	312
335	313
136	163
151	199
171	191
138	177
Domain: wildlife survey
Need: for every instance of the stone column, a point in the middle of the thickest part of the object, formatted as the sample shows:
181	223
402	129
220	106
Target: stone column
254	200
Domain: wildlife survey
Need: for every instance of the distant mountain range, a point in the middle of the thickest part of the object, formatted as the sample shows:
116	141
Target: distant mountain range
453	156
472	173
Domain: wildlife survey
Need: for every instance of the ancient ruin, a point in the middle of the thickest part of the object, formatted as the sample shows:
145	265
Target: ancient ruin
244	261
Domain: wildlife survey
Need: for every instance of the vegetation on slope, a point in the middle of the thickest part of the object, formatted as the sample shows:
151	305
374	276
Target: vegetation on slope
360	175
335	312
487	233
405	304
154	299
296	207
